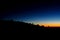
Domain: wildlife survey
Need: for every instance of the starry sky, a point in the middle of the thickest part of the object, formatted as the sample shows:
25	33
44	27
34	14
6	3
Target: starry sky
37	12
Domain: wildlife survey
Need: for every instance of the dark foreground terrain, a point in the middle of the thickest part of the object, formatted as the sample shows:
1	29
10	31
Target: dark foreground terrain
16	26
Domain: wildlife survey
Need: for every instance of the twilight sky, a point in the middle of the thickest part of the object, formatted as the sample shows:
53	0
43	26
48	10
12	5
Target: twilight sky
37	12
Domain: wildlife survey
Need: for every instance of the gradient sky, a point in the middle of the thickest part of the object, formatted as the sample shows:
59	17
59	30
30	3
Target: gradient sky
37	12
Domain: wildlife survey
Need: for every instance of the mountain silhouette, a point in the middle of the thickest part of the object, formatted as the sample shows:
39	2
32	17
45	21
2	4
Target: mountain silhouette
17	26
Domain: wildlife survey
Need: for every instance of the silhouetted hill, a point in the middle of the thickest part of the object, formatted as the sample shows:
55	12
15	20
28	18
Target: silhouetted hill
16	26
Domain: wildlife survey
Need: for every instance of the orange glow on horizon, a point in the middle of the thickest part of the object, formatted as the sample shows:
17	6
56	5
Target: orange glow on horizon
51	25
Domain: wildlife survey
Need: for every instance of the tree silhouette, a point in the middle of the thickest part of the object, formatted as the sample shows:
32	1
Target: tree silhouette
42	25
16	26
38	25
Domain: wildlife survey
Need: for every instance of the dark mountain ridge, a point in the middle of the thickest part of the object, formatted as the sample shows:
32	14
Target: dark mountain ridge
16	26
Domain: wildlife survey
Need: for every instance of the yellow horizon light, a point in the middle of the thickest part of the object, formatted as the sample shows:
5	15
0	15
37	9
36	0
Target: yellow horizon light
51	25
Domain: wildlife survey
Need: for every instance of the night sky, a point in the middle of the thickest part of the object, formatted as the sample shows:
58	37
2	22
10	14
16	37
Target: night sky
37	12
